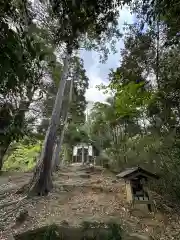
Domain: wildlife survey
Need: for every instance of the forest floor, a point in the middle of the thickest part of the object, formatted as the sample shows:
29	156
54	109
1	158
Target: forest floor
84	194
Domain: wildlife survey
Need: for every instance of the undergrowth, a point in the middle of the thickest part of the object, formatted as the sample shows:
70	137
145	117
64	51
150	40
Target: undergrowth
23	157
52	232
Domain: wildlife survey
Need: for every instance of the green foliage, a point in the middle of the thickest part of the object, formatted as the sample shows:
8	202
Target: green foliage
25	58
81	83
140	125
99	21
75	135
103	160
164	12
53	232
23	158
114	230
44	233
130	99
76	112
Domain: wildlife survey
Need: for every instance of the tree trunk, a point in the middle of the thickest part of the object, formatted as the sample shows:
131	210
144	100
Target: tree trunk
56	160
42	183
3	150
60	142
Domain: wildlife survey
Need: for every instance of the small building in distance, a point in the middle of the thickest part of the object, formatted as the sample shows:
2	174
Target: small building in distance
85	153
137	189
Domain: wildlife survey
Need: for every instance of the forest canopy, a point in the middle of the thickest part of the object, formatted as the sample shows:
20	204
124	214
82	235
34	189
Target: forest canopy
44	81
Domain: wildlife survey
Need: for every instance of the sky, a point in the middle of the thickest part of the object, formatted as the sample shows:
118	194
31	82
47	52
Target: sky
98	72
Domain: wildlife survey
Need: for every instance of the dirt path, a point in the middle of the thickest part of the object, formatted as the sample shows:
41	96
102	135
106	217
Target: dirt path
79	196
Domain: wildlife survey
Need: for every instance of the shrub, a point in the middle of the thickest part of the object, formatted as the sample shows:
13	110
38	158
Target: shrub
23	158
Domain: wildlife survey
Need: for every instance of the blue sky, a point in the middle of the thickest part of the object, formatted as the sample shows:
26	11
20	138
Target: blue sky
98	72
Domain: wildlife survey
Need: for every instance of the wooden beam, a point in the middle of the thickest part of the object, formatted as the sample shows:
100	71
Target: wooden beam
129	193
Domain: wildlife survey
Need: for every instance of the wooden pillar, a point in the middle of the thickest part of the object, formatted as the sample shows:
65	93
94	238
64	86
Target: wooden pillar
83	155
151	201
129	193
94	160
88	158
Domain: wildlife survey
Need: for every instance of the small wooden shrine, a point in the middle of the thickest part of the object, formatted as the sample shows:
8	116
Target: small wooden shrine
84	153
137	189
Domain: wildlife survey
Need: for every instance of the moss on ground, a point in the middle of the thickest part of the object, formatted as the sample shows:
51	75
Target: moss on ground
85	232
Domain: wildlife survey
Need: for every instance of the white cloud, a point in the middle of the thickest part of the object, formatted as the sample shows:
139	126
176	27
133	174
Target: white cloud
93	94
98	72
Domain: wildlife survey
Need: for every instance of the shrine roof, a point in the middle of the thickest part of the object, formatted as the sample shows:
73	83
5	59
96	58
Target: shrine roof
130	173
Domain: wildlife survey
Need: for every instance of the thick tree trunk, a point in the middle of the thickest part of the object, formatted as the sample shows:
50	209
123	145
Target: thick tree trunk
3	149
56	157
57	150
43	179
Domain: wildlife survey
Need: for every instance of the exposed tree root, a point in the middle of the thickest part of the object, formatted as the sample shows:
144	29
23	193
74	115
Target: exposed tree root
26	189
39	185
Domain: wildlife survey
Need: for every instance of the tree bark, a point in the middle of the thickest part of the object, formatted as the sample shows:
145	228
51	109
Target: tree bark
42	183
3	149
56	159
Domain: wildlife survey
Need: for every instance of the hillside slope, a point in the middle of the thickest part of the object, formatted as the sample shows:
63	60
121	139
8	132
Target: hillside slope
82	194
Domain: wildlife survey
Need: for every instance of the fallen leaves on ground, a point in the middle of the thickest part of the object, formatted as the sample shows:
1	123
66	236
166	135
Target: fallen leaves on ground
99	197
